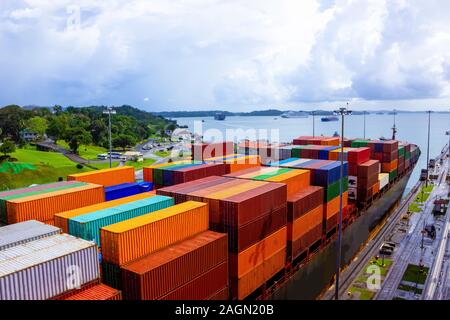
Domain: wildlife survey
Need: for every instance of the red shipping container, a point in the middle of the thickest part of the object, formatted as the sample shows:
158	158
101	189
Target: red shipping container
359	155
203	286
244	207
223	294
368	168
158	274
304	201
243	237
198	172
352	169
97	292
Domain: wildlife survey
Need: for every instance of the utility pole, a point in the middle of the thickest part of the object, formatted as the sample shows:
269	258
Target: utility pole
342	112
428	147
109	111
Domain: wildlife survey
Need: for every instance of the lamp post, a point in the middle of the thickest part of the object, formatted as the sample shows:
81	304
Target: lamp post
343	111
394	128
428	147
109	111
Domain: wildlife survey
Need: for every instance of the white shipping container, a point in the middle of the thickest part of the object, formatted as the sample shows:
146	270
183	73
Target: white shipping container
352	181
384	179
47	267
24	232
352	193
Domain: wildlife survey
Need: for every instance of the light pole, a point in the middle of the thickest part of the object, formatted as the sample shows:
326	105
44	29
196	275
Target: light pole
448	149
428	147
314	121
109	111
342	112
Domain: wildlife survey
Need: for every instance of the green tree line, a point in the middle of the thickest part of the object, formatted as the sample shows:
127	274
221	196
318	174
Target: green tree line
82	125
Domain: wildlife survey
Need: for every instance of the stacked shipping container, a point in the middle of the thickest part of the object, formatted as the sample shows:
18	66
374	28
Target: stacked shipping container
201	151
324	173
295	179
236	162
180	172
323	141
253	213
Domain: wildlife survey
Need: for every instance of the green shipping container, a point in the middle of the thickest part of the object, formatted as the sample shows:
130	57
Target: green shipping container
111	275
393	175
359	143
332	190
272	174
401	151
87	226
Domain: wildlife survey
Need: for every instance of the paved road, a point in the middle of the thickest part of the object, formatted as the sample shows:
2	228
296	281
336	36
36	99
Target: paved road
411	250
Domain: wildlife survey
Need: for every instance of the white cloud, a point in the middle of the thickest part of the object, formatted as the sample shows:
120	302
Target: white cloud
240	55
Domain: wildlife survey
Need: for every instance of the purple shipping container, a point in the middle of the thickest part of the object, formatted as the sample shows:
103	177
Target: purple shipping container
47	267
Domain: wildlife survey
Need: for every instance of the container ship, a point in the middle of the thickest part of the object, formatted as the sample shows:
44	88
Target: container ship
236	222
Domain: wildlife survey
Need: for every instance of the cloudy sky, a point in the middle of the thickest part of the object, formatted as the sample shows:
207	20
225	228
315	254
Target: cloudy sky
230	54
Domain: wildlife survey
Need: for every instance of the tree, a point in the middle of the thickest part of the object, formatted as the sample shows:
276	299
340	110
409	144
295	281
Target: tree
76	137
12	120
57	109
57	127
37	125
7	147
123	141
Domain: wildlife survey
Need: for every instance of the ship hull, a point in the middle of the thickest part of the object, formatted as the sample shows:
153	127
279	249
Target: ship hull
318	274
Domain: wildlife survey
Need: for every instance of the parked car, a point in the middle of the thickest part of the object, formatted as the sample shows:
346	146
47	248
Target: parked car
102	156
386	252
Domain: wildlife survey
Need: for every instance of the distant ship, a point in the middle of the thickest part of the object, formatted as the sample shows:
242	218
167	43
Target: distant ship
219	116
379	113
393	113
329	118
295	114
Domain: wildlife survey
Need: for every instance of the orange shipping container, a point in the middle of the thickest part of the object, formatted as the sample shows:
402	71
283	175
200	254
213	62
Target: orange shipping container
43	207
62	218
106	177
389	166
251	257
376	188
332	207
295	180
124	241
305	223
256	277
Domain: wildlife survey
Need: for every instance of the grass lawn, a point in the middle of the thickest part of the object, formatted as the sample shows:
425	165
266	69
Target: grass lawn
414	207
48	167
423	196
364	294
162	154
413	274
104	165
86	152
140	165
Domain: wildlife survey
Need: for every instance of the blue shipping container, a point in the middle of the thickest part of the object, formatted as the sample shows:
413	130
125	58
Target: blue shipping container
126	190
